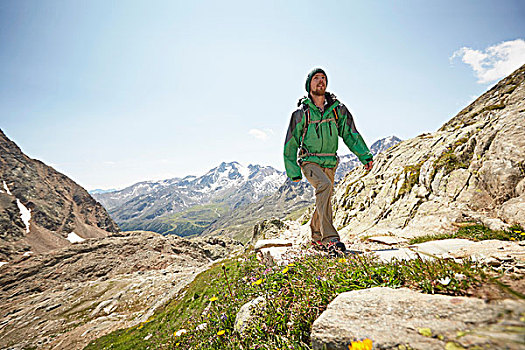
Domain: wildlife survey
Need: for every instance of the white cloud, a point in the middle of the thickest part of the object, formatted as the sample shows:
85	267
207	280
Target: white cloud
495	62
261	134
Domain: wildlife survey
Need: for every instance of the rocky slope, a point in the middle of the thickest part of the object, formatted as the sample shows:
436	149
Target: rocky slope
64	299
471	170
40	207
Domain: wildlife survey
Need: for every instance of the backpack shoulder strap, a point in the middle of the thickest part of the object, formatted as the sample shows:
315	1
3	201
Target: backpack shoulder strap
335	113
306	123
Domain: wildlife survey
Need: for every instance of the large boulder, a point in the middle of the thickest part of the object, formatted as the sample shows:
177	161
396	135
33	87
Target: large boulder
396	318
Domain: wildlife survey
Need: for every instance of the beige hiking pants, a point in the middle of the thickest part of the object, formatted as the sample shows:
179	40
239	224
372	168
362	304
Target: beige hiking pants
322	179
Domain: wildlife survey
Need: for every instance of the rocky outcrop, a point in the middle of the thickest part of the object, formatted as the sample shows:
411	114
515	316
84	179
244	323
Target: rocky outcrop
470	170
406	319
39	206
64	299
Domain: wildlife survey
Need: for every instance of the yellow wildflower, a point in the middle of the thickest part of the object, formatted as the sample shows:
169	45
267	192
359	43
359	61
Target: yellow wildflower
361	345
258	282
285	269
342	260
214	299
291	264
221	332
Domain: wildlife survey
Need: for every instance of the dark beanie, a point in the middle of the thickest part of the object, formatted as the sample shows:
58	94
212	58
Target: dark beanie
311	75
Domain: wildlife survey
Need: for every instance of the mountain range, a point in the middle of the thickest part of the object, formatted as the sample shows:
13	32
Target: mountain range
215	202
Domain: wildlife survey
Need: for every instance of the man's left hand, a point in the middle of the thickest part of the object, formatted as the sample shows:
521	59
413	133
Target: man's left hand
368	166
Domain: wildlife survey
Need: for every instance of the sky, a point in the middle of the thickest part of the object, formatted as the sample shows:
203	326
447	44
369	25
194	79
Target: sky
111	93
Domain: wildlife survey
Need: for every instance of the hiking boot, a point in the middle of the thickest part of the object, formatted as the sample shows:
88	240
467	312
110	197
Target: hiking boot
336	247
317	245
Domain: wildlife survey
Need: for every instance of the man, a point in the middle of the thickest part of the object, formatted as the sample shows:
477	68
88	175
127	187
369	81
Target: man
314	131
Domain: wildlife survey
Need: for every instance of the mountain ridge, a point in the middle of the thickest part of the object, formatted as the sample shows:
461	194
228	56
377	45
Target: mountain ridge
40	208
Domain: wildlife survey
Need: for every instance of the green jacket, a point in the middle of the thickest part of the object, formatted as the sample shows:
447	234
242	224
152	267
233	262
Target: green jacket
321	137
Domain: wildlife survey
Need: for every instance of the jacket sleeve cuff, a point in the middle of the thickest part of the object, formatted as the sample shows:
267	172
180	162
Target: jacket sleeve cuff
367	160
296	178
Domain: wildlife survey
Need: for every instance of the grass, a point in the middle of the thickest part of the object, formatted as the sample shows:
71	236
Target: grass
295	296
191	221
449	159
296	214
411	178
476	233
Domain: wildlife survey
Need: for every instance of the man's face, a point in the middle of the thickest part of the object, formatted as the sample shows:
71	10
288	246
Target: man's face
318	84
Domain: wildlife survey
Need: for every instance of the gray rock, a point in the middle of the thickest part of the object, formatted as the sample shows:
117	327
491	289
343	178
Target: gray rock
388	240
269	243
268	229
513	211
247	312
394	317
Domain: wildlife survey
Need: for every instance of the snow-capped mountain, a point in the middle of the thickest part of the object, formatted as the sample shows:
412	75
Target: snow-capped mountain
188	205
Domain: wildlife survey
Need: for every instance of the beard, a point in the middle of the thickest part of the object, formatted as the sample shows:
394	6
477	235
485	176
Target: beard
319	90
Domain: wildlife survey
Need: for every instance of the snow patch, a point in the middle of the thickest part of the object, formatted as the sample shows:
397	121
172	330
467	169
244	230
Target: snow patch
7	189
244	171
2	263
74	238
24	213
28	253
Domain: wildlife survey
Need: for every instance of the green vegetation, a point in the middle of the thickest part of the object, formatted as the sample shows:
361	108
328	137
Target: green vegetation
477	232
411	177
194	220
450	161
296	214
191	221
203	316
499	105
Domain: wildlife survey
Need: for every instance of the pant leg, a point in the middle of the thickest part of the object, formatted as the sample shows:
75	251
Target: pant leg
315	227
323	185
330	172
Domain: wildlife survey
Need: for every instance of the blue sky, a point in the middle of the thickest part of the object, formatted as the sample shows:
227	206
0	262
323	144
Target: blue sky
115	92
